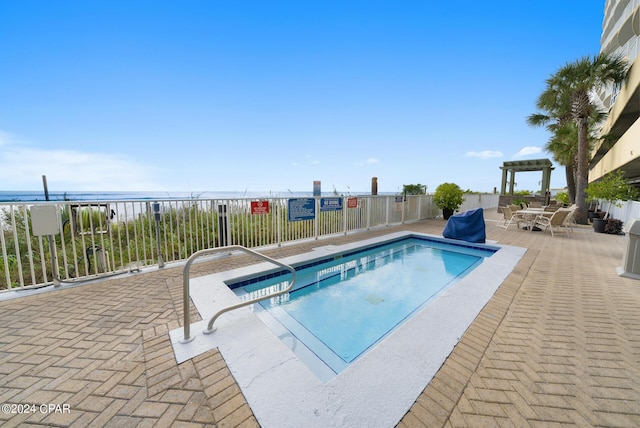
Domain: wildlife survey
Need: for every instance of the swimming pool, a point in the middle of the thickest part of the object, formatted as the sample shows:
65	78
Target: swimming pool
380	385
342	306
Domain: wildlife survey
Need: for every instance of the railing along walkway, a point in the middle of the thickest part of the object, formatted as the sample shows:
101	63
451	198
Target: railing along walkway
95	239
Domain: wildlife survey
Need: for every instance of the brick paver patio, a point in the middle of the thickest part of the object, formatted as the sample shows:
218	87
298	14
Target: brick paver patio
557	345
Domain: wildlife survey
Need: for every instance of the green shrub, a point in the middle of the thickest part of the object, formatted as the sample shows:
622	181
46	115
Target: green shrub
448	196
611	188
563	197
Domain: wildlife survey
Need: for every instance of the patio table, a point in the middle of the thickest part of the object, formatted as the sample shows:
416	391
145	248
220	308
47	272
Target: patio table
530	215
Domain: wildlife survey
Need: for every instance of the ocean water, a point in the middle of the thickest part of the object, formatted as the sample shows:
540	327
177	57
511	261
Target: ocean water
35	196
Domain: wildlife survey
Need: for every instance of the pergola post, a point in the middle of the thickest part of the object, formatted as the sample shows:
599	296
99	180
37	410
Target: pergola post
503	187
546	181
512	181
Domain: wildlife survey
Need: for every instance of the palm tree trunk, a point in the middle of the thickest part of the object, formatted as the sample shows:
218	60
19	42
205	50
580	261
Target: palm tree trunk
582	178
570	172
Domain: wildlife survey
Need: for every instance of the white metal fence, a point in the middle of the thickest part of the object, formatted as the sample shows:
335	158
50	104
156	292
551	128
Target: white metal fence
626	211
100	238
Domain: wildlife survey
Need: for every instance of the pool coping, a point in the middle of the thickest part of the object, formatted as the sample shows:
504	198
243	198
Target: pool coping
379	388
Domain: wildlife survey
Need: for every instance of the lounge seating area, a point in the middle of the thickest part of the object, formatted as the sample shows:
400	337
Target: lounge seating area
554	218
509	217
556	223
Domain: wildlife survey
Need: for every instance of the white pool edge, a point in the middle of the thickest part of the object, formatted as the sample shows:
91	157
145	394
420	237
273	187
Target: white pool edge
379	388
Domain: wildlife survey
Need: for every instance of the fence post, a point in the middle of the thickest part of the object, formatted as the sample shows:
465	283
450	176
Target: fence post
316	219
156	217
344	214
223	232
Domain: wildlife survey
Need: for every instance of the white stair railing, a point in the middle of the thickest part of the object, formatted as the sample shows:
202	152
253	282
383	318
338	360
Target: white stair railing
185	284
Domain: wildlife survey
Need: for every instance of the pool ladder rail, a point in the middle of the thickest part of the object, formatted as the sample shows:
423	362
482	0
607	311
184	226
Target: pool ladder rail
185	287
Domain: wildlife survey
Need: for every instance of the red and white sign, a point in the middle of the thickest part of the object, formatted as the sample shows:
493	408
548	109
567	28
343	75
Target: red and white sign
352	202
259	207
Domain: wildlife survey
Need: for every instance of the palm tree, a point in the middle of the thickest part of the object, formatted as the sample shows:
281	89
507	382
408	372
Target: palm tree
568	95
564	147
563	143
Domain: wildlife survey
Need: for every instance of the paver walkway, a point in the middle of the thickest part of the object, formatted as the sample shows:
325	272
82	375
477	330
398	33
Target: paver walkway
557	345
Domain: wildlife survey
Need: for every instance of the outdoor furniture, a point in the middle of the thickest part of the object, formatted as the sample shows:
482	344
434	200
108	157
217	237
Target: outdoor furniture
556	223
571	219
547	211
535	204
529	215
508	217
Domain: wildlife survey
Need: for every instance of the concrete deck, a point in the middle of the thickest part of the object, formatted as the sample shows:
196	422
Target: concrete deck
557	345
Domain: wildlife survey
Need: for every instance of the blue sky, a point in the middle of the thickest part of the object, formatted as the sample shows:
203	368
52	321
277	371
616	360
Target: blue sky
268	96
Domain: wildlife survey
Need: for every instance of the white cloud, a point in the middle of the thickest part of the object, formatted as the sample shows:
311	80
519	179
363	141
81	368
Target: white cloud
486	154
309	160
528	151
22	168
370	161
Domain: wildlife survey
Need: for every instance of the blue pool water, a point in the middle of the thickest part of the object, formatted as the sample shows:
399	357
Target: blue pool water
342	306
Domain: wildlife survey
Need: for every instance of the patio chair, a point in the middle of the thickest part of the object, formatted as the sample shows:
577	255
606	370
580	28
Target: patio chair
535	204
549	210
571	218
508	217
557	222
505	217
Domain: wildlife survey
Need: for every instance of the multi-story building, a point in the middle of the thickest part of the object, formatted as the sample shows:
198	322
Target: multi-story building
621	35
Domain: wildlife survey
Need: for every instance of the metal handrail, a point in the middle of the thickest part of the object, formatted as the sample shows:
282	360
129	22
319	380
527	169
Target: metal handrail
185	287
